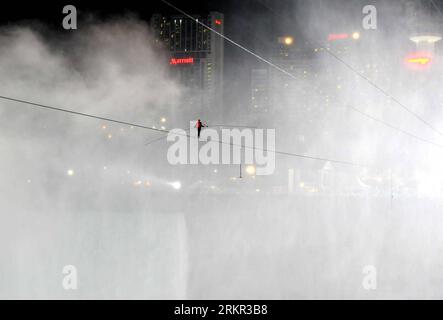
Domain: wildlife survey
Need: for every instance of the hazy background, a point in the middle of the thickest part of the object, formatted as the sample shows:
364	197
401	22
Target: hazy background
115	216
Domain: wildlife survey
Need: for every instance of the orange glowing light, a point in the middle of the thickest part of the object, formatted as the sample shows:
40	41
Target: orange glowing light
421	61
289	41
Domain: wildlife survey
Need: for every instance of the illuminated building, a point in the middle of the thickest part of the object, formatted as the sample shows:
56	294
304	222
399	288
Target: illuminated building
196	58
296	94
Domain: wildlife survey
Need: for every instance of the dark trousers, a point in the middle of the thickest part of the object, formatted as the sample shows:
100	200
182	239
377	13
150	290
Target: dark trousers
199	130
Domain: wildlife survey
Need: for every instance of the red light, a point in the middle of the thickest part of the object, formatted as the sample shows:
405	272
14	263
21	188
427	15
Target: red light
178	61
219	22
338	36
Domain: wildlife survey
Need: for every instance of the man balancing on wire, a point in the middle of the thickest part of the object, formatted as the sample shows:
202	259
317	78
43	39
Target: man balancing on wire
199	125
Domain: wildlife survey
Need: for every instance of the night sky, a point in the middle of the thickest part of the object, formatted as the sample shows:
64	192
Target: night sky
50	11
252	22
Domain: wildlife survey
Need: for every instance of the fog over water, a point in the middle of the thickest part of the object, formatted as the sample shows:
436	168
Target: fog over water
93	194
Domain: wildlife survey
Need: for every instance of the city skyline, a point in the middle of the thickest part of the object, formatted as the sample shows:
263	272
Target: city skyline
249	149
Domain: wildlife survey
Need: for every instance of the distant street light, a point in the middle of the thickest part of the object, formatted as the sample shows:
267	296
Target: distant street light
251	170
425	38
289	41
176	185
356	35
